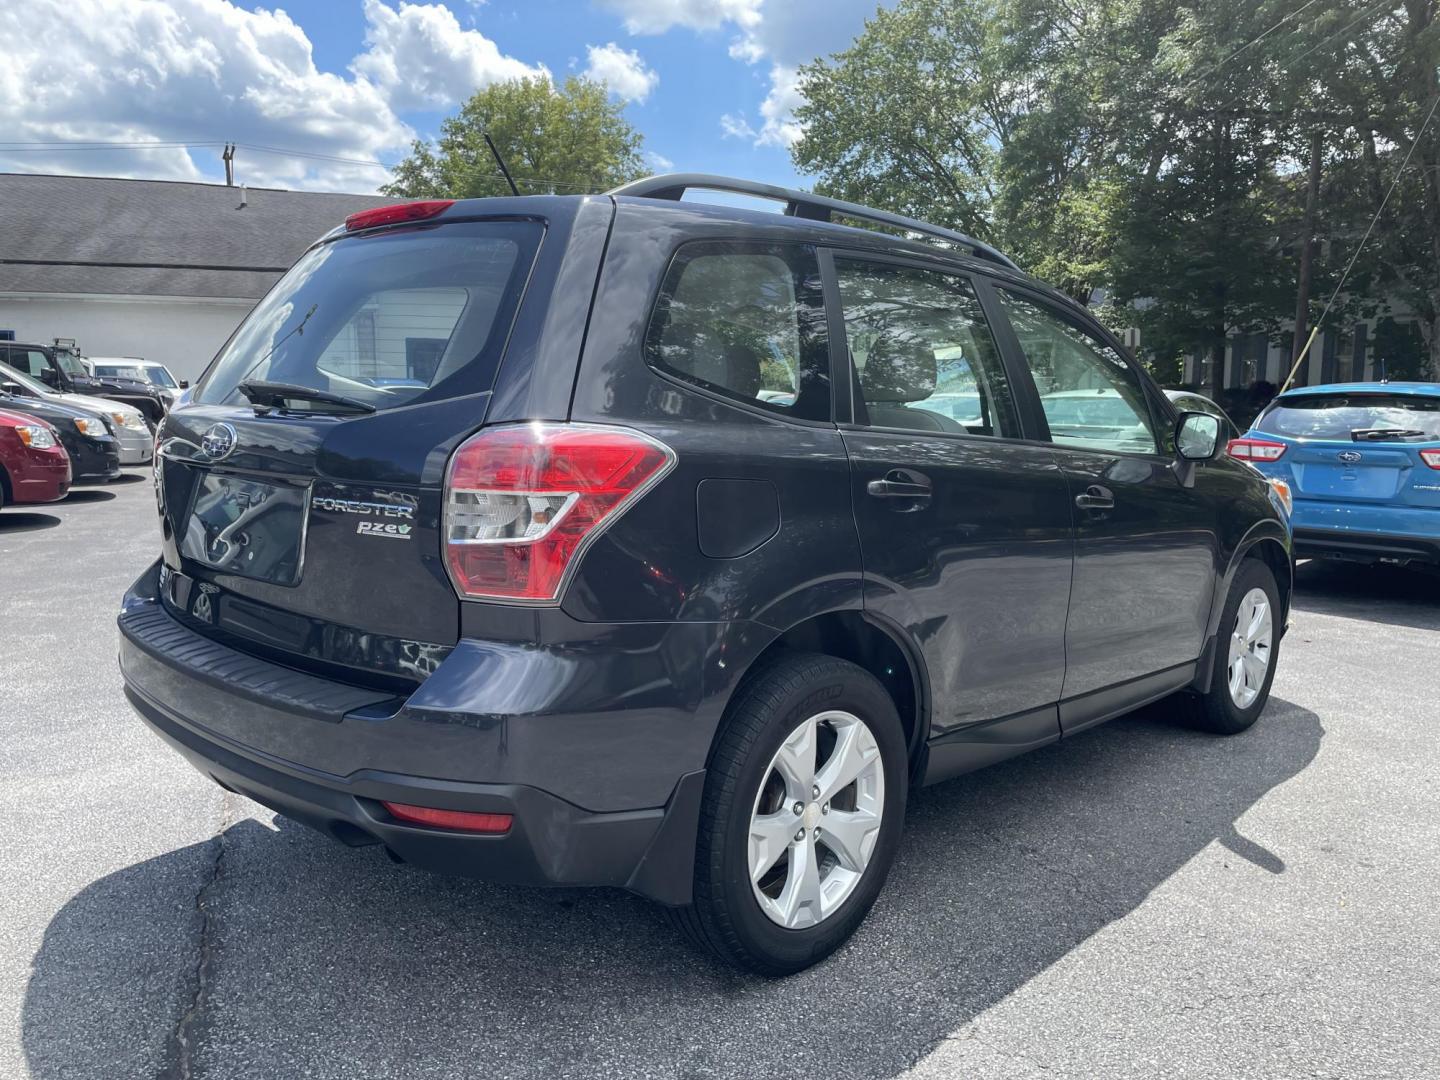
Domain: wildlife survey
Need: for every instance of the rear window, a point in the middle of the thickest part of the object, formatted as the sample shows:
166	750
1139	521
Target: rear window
1341	416
387	318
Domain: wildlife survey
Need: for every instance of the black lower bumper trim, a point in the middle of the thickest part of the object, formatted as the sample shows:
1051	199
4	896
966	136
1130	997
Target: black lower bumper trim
551	842
1365	547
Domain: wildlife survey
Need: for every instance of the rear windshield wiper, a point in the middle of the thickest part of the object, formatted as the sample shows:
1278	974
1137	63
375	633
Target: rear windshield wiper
273	395
1380	434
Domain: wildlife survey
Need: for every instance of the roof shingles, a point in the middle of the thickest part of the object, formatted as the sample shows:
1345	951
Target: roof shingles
156	237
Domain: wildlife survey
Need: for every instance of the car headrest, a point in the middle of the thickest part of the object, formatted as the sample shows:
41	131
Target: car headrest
899	370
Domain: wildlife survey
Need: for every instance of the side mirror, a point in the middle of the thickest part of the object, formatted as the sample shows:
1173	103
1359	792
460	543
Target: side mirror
184	384
47	376
1197	436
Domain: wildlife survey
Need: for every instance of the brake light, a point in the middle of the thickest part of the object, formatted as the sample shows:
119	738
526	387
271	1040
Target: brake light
1431	458
1255	449
523	502
389	215
463	820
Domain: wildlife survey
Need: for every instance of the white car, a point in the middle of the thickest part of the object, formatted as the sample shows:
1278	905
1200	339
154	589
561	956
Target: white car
132	367
132	434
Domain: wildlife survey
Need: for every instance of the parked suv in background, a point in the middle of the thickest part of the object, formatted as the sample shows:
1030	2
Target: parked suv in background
613	540
64	373
146	371
1363	463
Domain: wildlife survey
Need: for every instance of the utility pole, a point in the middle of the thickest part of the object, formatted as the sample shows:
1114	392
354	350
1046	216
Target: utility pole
229	158
1307	255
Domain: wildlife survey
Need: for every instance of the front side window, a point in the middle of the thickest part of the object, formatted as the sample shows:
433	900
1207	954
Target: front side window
1092	398
746	322
31	361
923	354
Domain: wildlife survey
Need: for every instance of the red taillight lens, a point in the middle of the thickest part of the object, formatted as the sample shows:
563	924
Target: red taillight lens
1431	458
388	215
1255	449
522	502
462	820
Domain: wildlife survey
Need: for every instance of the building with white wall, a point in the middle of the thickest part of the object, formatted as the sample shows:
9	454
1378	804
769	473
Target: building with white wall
157	269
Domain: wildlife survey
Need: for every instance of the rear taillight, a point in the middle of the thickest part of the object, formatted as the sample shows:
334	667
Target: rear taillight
1431	458
522	503
1255	449
389	215
461	820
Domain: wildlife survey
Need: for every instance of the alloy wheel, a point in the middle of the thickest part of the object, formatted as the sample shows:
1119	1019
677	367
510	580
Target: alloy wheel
1250	641
816	819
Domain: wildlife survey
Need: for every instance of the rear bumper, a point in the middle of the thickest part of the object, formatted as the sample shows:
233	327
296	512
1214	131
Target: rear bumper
328	754
1365	547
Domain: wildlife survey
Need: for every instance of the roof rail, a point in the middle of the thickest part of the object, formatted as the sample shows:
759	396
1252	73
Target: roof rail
802	204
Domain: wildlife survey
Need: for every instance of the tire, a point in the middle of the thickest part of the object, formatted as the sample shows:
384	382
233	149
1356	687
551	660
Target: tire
748	787
1218	710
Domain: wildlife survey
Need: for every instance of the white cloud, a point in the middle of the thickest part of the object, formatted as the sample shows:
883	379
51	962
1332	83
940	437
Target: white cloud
659	162
657	16
623	72
735	126
419	55
178	71
780	128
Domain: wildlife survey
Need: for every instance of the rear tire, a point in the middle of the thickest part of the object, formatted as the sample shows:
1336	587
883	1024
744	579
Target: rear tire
805	896
1247	647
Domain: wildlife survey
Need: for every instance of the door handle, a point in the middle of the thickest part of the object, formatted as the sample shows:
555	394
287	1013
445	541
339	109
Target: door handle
1095	497
900	484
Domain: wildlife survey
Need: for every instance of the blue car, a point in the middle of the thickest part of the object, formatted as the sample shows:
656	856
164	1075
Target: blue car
1362	461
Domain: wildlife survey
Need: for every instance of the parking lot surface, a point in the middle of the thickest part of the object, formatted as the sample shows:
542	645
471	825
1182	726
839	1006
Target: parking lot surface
1141	900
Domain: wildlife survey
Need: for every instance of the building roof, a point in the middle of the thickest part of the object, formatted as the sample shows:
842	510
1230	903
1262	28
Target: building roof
91	234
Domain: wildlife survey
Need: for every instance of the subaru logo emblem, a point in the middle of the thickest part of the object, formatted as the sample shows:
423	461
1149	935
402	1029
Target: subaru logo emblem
1349	456
218	442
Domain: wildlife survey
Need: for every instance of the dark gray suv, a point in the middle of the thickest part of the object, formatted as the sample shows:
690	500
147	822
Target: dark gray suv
627	540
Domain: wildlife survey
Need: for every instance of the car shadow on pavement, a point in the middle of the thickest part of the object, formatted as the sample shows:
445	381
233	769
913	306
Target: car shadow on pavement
89	495
1396	595
19	521
312	959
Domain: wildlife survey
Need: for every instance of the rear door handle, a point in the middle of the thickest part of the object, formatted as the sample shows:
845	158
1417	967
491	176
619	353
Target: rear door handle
1095	497
900	484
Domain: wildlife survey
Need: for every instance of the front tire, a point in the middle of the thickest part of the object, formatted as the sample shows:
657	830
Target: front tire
801	815
1247	646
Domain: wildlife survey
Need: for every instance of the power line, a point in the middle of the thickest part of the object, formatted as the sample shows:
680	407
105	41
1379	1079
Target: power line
1256	40
1400	172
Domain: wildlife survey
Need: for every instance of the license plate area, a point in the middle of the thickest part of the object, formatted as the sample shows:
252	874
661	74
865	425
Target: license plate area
251	528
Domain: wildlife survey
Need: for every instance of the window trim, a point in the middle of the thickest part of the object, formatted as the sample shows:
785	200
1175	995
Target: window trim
784	249
846	413
1163	423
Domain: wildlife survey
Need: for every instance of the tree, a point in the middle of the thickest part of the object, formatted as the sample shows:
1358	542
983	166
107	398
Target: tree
554	139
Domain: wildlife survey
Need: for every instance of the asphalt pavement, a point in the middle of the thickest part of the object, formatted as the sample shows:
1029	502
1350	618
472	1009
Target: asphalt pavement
1139	901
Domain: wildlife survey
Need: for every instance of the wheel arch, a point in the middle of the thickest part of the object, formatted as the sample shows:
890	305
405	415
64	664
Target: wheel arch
1269	542
871	643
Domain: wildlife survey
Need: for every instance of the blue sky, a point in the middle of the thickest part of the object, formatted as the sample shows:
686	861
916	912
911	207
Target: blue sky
140	87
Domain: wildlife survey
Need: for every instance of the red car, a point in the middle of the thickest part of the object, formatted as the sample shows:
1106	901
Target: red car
34	467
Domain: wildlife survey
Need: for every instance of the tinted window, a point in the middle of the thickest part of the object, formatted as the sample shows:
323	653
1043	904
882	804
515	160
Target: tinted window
1092	398
385	317
923	354
30	361
746	322
1340	416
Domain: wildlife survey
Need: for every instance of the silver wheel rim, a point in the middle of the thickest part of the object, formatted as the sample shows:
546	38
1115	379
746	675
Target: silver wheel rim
1250	648
816	819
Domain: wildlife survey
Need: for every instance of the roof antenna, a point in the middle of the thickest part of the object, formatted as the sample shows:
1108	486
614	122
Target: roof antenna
501	162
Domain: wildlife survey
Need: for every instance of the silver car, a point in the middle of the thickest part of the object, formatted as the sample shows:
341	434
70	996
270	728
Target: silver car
132	434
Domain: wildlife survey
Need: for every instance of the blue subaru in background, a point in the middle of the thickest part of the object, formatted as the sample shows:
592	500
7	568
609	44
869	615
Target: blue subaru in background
1362	461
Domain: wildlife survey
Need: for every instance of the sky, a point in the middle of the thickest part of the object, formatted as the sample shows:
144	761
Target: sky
153	88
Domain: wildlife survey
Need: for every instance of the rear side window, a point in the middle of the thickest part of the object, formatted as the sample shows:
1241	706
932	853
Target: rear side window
747	322
922	351
30	361
1370	417
387	318
1092	398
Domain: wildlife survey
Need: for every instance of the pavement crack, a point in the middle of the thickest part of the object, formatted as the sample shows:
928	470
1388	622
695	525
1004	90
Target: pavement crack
178	1061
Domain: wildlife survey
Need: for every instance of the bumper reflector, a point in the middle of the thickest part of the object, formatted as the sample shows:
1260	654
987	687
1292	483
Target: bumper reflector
460	820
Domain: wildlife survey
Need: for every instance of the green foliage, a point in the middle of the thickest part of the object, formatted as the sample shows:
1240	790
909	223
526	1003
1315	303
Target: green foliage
554	139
